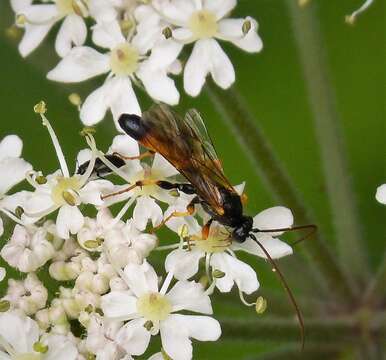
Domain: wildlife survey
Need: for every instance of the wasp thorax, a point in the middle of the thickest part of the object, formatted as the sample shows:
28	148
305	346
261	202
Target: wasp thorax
65	191
124	59
154	307
203	24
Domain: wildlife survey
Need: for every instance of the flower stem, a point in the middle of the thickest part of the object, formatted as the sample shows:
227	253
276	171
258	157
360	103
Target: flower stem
329	134
246	130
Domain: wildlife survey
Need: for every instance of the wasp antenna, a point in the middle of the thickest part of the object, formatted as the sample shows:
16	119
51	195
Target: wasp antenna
286	288
312	228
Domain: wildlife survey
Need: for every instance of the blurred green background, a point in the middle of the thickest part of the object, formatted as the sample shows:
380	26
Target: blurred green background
274	87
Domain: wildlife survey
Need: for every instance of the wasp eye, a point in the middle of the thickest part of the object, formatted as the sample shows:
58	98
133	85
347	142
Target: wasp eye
131	124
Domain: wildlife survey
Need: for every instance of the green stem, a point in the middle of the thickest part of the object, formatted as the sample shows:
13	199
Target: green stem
376	291
237	116
329	134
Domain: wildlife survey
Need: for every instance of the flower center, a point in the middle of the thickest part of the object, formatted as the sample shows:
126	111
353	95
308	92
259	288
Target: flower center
217	241
148	174
65	191
67	7
124	59
154	307
27	356
203	24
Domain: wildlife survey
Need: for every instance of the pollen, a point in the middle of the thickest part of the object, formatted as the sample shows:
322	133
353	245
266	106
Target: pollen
154	307
203	24
124	59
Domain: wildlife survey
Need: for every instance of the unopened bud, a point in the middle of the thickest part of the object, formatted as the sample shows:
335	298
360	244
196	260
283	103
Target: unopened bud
246	27
148	325
40	348
69	198
40	107
4	305
218	274
167	32
261	305
41	179
75	99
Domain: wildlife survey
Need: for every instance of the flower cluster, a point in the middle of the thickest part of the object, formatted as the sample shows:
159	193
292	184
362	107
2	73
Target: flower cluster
137	43
92	240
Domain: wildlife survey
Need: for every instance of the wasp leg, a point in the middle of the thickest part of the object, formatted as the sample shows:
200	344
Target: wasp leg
190	209
139	183
205	230
183	187
139	157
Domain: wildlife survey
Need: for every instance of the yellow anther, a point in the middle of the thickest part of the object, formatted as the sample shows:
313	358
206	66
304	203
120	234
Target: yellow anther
20	20
19	211
41	179
69	198
4	305
87	131
75	99
261	305
91	244
246	27
218	274
183	231
40	348
148	325
167	32
350	19
40	107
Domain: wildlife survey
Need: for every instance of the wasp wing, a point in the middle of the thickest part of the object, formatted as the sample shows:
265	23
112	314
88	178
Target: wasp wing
185	143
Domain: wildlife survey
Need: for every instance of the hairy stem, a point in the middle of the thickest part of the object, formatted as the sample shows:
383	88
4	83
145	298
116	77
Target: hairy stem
329	134
237	116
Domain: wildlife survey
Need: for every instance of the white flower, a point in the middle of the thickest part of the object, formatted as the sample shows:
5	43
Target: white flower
381	194
28	249
203	21
28	295
3	273
219	249
125	63
151	310
20	338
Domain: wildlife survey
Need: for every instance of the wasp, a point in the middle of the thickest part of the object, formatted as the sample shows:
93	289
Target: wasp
186	144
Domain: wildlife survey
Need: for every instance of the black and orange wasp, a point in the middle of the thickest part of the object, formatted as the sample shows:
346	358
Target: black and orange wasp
186	144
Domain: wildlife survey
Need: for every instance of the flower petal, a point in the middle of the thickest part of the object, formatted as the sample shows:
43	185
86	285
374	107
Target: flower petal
146	209
33	36
124	145
80	64
177	11
12	170
10	146
162	166
91	193
183	263
381	194
189	295
119	304
60	348
277	217
236	272
141	279
95	106
72	32
133	337
107	34
219	7
69	220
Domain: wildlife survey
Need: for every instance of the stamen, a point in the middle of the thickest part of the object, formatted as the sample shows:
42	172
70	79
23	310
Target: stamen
91	164
13	217
122	212
166	283
40	108
350	19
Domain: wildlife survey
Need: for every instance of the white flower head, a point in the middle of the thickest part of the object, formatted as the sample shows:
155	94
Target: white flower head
125	63
28	295
20	339
150	310
28	249
202	22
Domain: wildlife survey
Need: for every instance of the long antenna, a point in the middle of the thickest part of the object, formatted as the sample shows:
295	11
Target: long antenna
294	228
286	288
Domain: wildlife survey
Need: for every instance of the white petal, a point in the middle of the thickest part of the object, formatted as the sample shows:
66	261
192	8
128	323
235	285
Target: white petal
164	53
80	64
95	106
69	220
3	272
41	13
33	36
83	156
381	194
219	7
12	170
119	304
178	11
222	70
177	329
275	248
183	263
141	279
23	333
60	348
91	193
161	165
1	227
10	146
277	217
124	145
72	32
146	209
133	337
189	295
183	35
19	5
235	271
107	34
197	67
